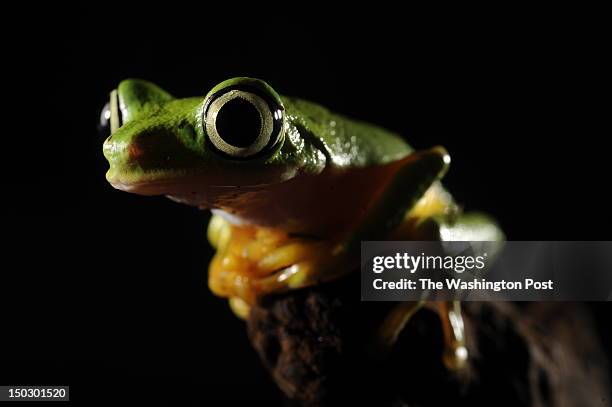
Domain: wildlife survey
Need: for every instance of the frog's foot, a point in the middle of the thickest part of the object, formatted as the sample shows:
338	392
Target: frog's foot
252	262
455	353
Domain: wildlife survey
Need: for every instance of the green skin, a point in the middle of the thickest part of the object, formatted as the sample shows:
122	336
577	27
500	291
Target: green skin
317	180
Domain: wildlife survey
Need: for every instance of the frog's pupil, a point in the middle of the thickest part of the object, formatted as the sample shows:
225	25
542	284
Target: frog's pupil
238	122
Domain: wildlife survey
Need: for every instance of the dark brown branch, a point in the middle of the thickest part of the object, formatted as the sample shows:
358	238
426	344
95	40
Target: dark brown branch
316	344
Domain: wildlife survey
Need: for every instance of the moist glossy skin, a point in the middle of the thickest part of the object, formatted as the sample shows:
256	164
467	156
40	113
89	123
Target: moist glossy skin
325	168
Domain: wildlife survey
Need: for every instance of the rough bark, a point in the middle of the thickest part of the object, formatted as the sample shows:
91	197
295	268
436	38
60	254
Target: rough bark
316	344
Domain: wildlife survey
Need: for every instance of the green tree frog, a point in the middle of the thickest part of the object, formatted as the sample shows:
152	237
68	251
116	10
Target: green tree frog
293	187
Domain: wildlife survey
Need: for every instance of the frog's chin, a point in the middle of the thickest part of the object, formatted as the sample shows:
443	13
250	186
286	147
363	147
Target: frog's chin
140	188
179	186
185	193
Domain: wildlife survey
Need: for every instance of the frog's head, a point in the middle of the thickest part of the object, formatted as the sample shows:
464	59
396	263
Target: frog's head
237	135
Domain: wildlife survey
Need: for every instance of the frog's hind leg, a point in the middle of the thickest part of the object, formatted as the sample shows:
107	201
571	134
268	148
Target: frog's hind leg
435	217
455	353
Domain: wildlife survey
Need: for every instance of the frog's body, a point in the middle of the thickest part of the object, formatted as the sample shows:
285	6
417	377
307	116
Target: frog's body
294	186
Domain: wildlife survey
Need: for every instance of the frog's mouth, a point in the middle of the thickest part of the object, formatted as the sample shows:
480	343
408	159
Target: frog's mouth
197	184
169	185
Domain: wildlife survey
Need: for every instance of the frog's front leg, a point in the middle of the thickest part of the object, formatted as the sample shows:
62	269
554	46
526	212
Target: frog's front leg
252	262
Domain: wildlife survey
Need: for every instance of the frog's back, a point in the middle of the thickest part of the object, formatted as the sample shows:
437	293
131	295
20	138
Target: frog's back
347	142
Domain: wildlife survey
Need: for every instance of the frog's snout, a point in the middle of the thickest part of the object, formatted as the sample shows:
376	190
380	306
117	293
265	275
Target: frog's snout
114	152
147	155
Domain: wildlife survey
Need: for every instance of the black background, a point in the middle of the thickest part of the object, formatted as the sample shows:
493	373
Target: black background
106	292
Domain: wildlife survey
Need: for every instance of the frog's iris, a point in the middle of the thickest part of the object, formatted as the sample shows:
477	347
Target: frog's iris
242	121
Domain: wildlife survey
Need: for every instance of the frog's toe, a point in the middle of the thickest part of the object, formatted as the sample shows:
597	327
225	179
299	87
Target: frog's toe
252	262
240	307
455	353
219	231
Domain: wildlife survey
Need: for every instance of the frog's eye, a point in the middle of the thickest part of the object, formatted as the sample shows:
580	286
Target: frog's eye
111	116
104	124
242	122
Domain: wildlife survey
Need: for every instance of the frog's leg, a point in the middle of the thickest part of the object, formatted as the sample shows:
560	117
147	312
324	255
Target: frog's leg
254	261
451	226
455	353
435	217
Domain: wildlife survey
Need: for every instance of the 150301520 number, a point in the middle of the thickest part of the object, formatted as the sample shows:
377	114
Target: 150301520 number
50	393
